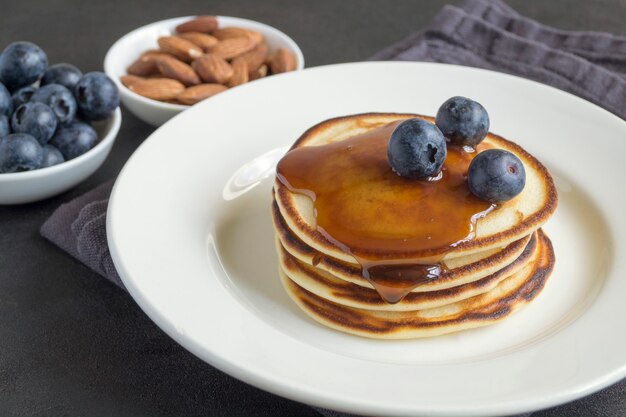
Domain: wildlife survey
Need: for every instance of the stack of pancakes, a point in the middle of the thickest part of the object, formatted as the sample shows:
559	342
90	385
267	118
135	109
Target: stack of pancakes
484	279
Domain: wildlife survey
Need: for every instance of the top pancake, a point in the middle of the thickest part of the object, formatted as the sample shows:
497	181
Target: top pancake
508	222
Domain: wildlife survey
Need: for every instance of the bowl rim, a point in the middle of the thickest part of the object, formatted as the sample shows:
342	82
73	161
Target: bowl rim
112	123
111	55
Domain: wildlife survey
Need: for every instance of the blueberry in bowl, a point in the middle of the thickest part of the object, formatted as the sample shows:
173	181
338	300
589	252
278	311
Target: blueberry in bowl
5	126
97	96
63	74
20	152
74	139
6	101
35	119
21	64
51	156
23	95
59	99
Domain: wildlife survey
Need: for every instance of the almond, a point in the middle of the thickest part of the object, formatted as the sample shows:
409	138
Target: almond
154	52
158	88
240	73
129	80
213	69
258	73
145	64
197	93
204	41
230	48
142	67
157	75
204	24
282	61
255	57
178	70
235	32
180	48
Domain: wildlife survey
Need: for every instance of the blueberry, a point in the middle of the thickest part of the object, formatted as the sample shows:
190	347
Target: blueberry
5	128
416	149
496	175
6	104
23	95
21	64
51	156
36	119
64	74
74	139
59	99
463	121
97	96
20	152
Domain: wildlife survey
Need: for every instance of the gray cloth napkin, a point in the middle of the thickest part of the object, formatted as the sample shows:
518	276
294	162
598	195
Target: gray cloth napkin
491	35
79	228
479	33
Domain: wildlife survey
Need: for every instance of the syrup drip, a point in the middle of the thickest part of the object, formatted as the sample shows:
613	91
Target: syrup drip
366	210
394	282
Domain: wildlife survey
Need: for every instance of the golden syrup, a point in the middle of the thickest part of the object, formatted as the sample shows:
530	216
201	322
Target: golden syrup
367	210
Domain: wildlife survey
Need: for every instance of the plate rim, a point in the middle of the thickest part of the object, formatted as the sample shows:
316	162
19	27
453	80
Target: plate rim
323	399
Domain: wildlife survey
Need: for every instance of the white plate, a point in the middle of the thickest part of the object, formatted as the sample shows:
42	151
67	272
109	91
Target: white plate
190	233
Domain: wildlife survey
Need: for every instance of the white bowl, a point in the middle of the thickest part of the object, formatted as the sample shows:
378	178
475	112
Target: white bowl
128	48
29	186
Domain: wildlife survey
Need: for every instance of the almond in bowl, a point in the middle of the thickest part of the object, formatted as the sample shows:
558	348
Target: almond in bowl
165	67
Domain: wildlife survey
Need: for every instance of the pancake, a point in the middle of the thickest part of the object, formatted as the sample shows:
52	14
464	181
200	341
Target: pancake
333	289
458	271
507	223
508	296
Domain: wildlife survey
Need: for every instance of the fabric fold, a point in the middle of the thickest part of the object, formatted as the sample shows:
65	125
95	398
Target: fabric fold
79	228
598	47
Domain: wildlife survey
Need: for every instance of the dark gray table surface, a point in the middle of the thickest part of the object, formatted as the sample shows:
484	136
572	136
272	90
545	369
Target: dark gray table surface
71	343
